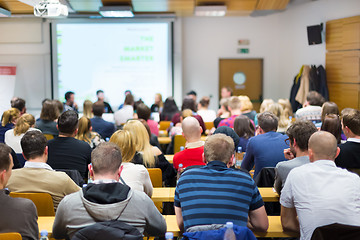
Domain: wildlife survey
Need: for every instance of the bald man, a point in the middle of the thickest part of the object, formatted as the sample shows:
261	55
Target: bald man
194	148
320	193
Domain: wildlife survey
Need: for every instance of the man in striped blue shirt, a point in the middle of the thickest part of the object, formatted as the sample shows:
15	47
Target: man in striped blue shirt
208	197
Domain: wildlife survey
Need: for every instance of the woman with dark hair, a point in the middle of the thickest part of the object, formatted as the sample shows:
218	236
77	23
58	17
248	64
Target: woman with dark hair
170	108
144	112
332	124
48	118
245	129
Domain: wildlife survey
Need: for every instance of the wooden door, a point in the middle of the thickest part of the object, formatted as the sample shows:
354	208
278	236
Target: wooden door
244	76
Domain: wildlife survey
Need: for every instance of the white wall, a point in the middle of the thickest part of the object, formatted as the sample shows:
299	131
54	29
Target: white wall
280	39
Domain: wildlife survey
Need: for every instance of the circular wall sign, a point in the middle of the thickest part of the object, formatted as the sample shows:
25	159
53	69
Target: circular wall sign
239	78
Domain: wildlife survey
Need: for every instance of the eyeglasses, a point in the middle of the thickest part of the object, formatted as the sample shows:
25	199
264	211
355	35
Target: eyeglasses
287	141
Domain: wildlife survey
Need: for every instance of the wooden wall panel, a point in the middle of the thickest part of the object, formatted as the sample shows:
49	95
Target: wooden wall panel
345	95
343	66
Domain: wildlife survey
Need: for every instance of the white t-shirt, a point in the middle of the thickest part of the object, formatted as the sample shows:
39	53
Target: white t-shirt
207	115
125	113
14	141
137	177
322	194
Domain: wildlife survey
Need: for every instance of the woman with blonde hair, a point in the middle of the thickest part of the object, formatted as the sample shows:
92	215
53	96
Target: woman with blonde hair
86	134
147	155
264	105
87	109
8	121
158	104
48	118
283	123
247	107
285	103
13	136
134	175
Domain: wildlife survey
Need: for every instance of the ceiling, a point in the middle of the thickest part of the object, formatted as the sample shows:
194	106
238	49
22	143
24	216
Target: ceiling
143	7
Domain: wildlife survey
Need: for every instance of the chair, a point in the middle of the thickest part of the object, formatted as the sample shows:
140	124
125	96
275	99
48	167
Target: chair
209	125
336	231
48	136
10	236
164	125
155	176
179	141
43	202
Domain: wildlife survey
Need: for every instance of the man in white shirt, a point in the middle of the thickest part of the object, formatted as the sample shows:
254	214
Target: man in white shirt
312	107
320	193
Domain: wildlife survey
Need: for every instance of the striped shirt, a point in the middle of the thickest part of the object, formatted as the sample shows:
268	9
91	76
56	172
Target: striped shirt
215	194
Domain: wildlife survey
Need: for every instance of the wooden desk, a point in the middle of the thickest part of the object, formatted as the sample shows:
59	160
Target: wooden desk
169	158
167	140
46	223
166	194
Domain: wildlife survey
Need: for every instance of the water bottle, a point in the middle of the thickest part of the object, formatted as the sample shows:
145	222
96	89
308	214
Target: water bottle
182	148
229	233
238	157
180	170
44	235
169	236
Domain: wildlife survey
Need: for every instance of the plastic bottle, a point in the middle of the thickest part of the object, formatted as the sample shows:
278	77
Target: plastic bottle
44	235
229	233
169	236
238	157
179	171
182	148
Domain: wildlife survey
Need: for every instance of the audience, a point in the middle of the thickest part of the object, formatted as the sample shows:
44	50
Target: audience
101	98
286	105
126	112
8	121
19	104
235	110
332	124
66	152
192	94
247	107
194	148
107	199
214	198
158	104
86	134
48	117
28	179
144	112
264	105
104	128
284	122
70	103
223	112
319	193
312	107
153	138
17	214
169	110
267	148
134	175
327	108
207	114
297	155
88	109
244	128
230	133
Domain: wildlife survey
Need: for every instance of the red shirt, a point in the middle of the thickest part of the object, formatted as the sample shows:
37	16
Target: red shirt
189	157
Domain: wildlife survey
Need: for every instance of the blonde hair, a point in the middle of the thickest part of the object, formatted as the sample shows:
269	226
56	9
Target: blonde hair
277	109
186	113
161	104
265	104
286	105
23	124
87	109
124	140
246	104
9	116
84	133
142	142
234	103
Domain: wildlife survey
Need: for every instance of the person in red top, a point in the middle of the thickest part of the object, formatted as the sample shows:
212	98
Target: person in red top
194	149
235	110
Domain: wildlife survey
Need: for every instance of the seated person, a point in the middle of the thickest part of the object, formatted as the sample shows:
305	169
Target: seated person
319	193
144	112
126	112
235	110
194	148
66	152
37	176
245	129
101	98
17	214
107	199
311	108
48	117
214	199
104	128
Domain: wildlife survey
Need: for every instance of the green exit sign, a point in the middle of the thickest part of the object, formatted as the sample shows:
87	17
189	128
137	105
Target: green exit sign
243	50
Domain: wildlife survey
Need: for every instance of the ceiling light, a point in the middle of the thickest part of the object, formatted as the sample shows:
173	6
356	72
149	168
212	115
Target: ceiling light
4	13
210	11
116	11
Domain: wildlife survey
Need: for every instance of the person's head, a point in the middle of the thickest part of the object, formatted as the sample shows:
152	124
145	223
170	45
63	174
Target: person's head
10	116
124	140
332	124
98	108
329	108
33	145
265	104
244	127
277	109
246	104
23	124
68	123
192	94
84	130
267	122
127	92
219	147
234	104
299	134
314	98
100	95
59	105
226	92
170	105
346	111
228	131
188	103
158	100
19	103
351	123
191	129
141	139
224	103
49	111
143	111
129	99
186	113
88	109
286	105
146	126
6	164
204	102
323	146
105	162
70	97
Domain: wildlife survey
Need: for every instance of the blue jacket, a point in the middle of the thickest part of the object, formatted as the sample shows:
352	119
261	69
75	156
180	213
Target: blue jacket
241	233
102	127
264	150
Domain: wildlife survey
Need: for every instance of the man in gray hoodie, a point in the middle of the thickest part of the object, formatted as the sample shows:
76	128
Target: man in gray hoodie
107	199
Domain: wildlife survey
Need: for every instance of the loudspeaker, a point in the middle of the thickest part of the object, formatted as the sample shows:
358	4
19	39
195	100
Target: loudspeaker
314	34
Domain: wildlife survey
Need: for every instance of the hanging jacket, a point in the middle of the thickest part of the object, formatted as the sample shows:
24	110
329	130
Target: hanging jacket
294	89
314	82
304	85
323	88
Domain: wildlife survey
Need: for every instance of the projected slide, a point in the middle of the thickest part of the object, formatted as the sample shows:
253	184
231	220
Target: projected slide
113	57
